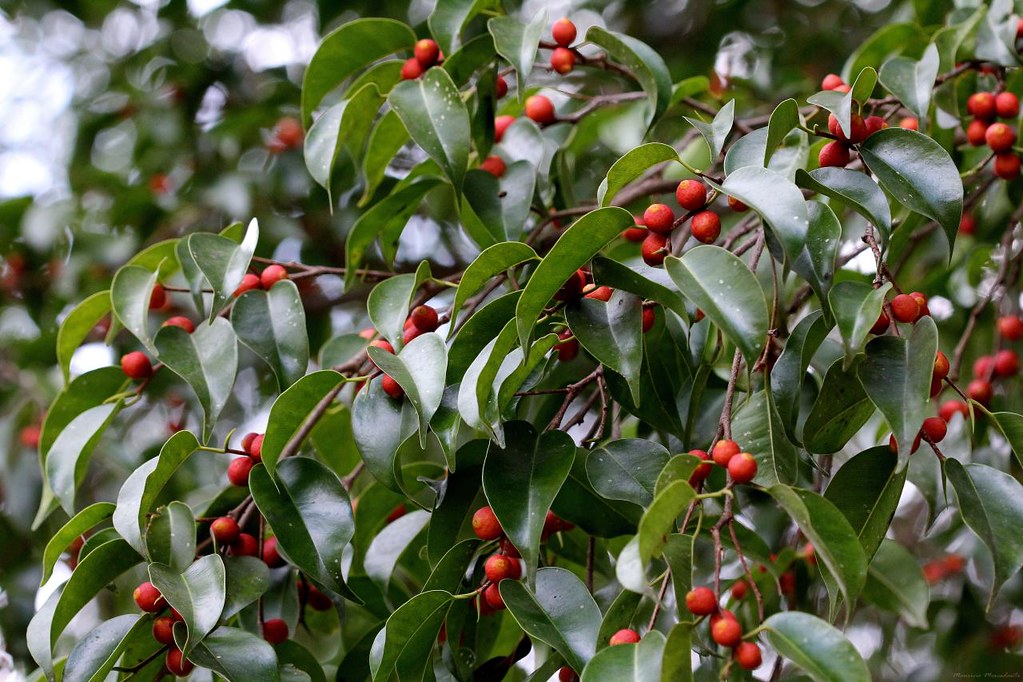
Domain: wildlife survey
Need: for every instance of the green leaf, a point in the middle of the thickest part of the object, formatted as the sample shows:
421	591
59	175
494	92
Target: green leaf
247	579
659	519
643	62
95	571
919	173
198	594
385	140
447	20
578	244
390	543
784	119
639	662
1011	426
896	583
620	614
790	369
491	262
130	291
758	429
578	503
627	469
834	541
294	658
677	664
841	104
631	166
353	46
436	117
912	81
272	325
389	301
452	567
207	359
502	204
611	332
380	425
647	282
816	262
716	132
996	33
866	490
170	536
77	326
97	652
816	647
83	521
896	374
68	459
419	369
778	202
404	648
991	503
310	514
856	306
749	151
478	331
522	480
853	189
840	410
140	490
237	655
559	612
723	287
518	43
223	262
340	349
291	412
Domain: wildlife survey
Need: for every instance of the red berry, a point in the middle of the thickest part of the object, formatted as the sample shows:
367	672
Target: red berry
649	317
316	600
245	545
1007	165
148	598
158	298
572	288
224	530
742	467
501	87
737	205
501	124
136	365
725	614
391	387
941	365
1000	137
29	436
738	589
723	451
950	408
982	105
857	129
271	557
831	82
540	110
178	665
563	31
905	308
566	674
659	218
980	391
934	428
424	318
834	154
499	567
747	655
654	249
238	470
984	367
492	595
843	88
1006	363
874	124
494	165
568	348
272	275
706	227
726	632
562	60
691	195
600	293
921	300
624	636
255	448
976	132
427	52
163	630
967	224
1010	327
275	631
288	134
1007	105
180	321
910	123
701	601
249	282
702	471
485	524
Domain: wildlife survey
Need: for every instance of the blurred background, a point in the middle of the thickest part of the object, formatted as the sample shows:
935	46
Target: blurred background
124	123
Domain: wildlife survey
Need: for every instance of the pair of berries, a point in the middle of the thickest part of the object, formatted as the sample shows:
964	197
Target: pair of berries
426	53
725	628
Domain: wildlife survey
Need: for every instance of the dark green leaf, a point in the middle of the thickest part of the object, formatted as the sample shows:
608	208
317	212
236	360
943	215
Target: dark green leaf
292	411
78	324
380	425
1011	426
659	519
840	410
790	369
170	536
223	262
631	166
912	81
272	325
83	521
97	652
777	200
447	20
816	647
248	578
419	369
854	189
641	279
389	301
198	594
518	43
491	262
896	583
68	458
130	293
404	647
784	118
627	469
816	262
642	62
856	307
866	490
611	332
385	140
639	662
237	655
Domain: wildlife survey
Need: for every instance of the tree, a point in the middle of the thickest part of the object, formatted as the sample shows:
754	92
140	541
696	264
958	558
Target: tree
637	398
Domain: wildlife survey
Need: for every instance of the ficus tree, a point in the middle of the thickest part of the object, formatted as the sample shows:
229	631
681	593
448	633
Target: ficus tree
735	395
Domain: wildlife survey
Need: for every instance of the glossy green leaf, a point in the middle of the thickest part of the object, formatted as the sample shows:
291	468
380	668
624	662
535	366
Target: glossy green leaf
578	503
450	571
784	119
919	174
841	104
816	262
170	536
223	262
840	410
353	46
627	469
97	652
310	514
644	63
991	504
856	306
68	459
716	132
388	302
380	425
77	326
790	369
91	389
620	614
853	189
834	541
1011	426
83	521
140	490
436	117
816	647
130	292
295	659
291	412
996	32
502	204
207	359
896	583
419	369
447	20
677	664
640	662
912	81
631	167
578	244
522	480
896	374
321	147
888	40
777	200
491	262
237	655
659	519
723	287
559	612
518	43
272	325
647	282
867	490
385	140
390	543
247	579
405	646
478	331
612	332
198	594
791	155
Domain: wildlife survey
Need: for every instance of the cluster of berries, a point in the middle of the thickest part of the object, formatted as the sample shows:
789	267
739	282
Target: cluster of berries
741	466
725	628
421	320
1000	137
426	54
